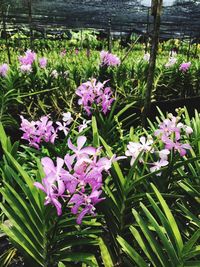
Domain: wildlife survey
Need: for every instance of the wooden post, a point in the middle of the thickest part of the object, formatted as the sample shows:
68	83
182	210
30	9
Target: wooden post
44	33
196	48
189	46
147	32
6	37
109	36
156	12
30	22
18	37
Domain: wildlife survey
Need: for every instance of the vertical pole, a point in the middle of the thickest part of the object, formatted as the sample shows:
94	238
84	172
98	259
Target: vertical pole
30	22
196	48
109	36
156	12
18	38
189	46
44	33
6	37
121	39
147	32
81	38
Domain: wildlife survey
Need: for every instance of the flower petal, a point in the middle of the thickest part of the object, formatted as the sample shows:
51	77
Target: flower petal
81	141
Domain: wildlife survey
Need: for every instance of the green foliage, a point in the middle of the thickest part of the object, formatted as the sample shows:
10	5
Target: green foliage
43	238
128	80
159	238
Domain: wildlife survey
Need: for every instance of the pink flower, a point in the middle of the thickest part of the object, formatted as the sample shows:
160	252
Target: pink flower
62	127
26	68
53	184
109	59
54	74
86	202
135	148
4	70
79	150
167	127
186	128
177	146
66	74
185	66
63	53
81	183
49	188
67	118
84	125
171	62
146	57
37	131
94	93
146	144
157	165
28	59
163	154
43	62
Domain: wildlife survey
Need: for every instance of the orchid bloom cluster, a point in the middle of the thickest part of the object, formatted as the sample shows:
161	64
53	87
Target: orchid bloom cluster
54	74
185	66
108	59
76	179
171	62
4	70
63	53
93	92
169	133
43	130
26	61
43	62
146	57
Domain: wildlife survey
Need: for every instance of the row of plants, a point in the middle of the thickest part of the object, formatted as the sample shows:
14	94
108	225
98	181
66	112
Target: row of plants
82	183
61	69
80	192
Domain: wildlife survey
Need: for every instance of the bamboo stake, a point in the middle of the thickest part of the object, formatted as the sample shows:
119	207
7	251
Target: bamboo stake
147	32
6	37
156	12
109	36
30	22
189	47
131	47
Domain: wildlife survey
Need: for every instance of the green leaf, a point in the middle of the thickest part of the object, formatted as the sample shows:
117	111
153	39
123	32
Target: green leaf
105	254
144	246
87	258
115	164
170	218
96	142
167	245
131	252
188	246
150	238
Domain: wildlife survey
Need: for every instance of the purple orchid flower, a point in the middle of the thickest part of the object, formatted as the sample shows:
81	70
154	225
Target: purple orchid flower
79	150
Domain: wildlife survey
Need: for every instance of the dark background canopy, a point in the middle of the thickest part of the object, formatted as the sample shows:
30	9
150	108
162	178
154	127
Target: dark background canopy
180	18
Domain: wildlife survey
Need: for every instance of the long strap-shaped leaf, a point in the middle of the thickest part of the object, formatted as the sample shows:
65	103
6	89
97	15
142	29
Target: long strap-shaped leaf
166	224
170	218
105	254
115	164
33	192
188	246
167	245
144	246
131	252
150	238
